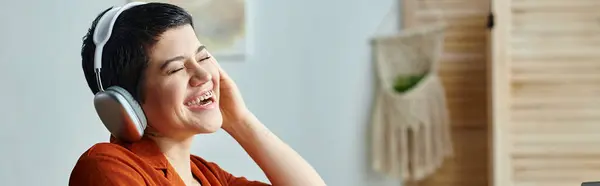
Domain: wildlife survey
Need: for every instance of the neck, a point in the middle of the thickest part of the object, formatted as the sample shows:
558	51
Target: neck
177	152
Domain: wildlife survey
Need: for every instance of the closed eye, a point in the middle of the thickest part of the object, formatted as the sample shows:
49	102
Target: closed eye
173	71
179	69
203	59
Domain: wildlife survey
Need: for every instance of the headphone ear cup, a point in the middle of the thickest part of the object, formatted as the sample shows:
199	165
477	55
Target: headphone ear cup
120	113
139	112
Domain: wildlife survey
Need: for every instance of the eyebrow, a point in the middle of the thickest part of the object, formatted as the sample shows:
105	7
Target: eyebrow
179	58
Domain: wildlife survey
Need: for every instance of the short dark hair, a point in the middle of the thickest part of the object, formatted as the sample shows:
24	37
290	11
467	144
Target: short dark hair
126	54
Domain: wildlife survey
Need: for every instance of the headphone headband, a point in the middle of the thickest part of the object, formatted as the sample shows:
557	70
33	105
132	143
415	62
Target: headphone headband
102	34
119	111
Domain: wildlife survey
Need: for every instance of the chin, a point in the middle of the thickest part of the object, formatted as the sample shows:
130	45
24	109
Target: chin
211	128
208	125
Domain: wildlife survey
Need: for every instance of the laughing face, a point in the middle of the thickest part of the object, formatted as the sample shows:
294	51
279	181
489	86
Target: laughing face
181	86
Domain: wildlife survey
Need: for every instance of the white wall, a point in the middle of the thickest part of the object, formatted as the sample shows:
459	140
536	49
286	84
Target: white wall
308	79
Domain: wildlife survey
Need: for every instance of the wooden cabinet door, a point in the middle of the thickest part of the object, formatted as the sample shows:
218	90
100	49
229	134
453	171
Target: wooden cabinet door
545	92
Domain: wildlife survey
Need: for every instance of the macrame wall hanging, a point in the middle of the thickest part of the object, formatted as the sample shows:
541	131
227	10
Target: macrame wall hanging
410	118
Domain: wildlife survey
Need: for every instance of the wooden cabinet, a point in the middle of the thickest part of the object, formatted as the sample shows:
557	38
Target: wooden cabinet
545	92
524	96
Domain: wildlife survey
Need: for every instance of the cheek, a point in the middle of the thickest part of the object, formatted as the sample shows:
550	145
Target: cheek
163	96
173	93
213	70
216	77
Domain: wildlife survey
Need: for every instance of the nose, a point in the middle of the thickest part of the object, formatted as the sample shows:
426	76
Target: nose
200	76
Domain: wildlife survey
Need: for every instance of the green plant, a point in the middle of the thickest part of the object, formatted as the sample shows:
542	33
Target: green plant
404	83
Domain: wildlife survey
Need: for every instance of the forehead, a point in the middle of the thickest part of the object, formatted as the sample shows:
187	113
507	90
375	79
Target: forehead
177	41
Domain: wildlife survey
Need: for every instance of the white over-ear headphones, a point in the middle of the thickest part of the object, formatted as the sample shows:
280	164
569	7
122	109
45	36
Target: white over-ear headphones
117	108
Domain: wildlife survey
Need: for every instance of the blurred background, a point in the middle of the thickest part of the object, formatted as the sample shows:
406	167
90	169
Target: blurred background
520	93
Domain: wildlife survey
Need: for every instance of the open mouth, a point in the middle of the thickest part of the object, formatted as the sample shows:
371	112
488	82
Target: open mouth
204	100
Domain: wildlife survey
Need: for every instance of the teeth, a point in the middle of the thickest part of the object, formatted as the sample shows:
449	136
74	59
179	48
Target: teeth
198	100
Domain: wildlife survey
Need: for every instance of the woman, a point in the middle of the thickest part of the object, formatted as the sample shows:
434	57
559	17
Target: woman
155	55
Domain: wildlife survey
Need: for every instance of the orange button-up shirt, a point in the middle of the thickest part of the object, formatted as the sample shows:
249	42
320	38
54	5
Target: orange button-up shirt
142	163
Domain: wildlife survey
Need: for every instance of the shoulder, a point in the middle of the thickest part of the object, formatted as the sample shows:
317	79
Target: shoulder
202	163
210	168
102	152
105	164
106	149
224	177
